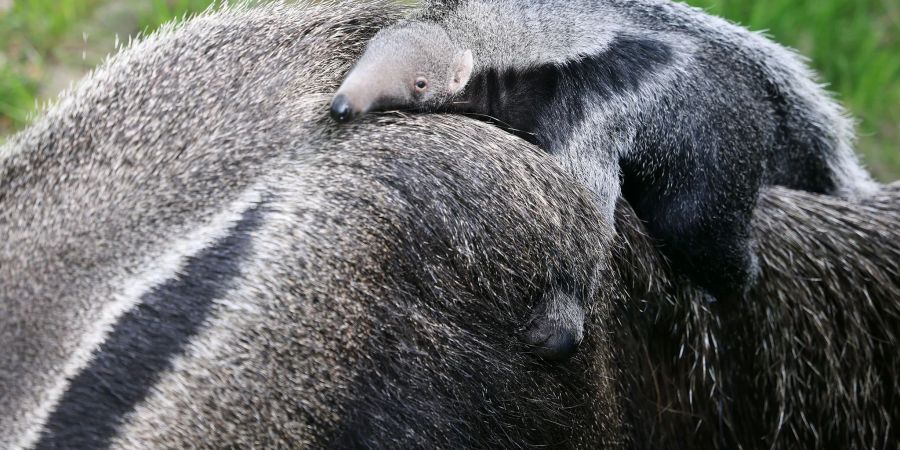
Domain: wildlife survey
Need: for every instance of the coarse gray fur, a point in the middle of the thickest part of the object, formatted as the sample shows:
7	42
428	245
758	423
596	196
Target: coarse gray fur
685	114
511	34
369	280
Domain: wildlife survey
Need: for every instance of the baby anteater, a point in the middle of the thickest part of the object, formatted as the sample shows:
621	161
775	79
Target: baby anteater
684	114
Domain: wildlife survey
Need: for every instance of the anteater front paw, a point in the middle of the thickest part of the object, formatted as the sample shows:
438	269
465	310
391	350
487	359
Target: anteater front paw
556	328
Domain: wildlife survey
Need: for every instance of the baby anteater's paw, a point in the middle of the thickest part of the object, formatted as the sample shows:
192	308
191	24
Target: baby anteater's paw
556	327
735	278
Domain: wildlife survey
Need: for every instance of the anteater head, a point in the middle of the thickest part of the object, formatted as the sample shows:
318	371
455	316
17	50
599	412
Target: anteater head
412	65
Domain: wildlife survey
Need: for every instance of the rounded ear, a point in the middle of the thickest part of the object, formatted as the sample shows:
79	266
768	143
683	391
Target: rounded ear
461	71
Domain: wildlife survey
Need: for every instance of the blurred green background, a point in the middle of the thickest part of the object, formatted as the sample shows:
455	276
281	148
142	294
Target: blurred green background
853	44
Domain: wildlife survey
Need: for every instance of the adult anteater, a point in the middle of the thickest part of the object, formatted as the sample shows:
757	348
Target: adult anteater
192	255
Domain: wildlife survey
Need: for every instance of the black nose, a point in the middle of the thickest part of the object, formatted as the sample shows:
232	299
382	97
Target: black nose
340	108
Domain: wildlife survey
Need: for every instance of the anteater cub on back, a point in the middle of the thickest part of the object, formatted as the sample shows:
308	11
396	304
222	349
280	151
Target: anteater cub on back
684	114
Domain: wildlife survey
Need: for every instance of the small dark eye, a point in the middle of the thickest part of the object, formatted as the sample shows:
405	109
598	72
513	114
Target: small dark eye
421	84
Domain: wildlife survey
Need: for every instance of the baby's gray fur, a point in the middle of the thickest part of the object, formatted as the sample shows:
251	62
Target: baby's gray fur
684	114
365	283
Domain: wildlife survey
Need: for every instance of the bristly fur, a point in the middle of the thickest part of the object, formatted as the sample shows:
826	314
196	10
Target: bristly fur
685	115
188	242
808	361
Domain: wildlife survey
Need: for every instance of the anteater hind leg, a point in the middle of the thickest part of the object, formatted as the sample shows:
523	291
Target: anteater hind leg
557	324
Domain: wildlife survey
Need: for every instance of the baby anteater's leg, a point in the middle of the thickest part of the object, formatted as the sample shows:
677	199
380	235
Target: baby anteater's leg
557	324
556	327
708	242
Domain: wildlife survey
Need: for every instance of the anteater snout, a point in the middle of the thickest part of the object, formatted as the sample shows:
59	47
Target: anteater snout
341	109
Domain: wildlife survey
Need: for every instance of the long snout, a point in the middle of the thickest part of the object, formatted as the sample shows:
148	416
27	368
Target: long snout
351	101
341	108
367	87
356	96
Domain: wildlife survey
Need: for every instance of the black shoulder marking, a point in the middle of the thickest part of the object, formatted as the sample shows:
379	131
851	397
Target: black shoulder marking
623	66
143	343
542	104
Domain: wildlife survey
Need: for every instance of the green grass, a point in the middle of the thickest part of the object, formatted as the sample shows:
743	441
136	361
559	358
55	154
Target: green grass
44	44
853	44
162	11
29	34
